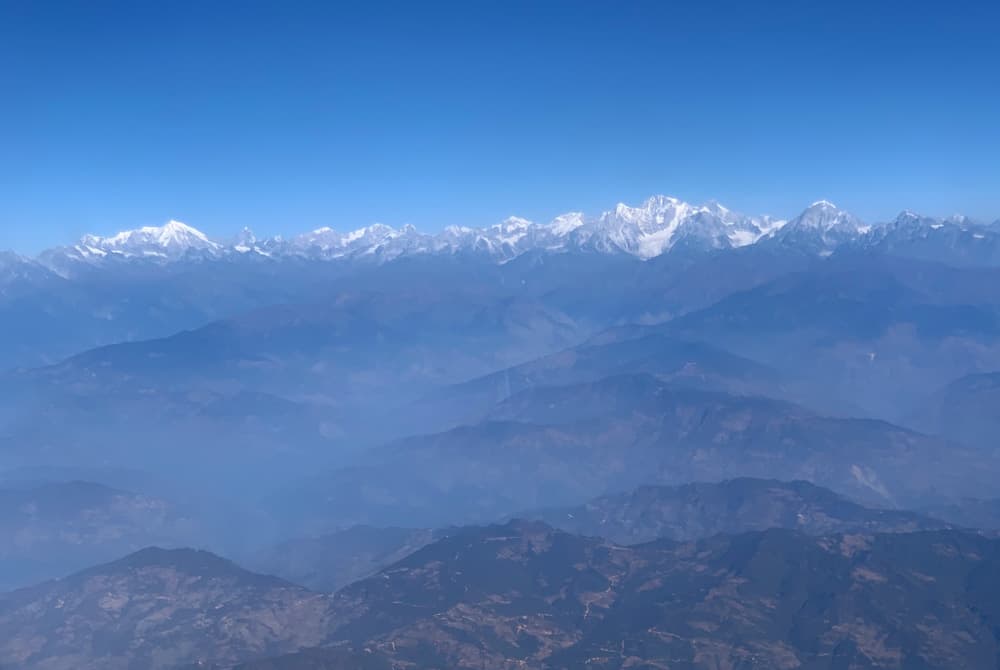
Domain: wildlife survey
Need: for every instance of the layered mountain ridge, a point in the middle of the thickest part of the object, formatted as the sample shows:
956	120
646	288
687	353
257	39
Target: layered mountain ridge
525	595
659	225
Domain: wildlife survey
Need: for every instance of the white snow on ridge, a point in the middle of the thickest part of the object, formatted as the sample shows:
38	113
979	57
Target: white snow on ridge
171	239
565	224
655	227
742	238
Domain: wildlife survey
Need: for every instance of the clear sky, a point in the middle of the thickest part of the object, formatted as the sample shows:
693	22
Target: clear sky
288	115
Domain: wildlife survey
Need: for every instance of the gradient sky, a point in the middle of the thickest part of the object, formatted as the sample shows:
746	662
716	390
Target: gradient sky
285	116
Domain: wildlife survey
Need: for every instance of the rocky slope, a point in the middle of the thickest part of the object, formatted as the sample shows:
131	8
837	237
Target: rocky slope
701	510
156	609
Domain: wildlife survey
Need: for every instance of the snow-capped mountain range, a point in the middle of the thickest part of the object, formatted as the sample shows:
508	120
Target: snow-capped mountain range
658	226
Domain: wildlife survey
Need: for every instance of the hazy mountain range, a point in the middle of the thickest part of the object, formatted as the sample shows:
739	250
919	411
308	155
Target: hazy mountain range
737	441
659	225
523	594
694	511
154	281
278	372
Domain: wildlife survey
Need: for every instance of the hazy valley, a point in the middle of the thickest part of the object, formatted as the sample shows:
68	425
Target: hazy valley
664	436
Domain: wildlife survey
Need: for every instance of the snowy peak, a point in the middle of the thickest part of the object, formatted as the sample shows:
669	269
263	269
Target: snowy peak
955	240
510	232
820	229
175	233
171	234
662	222
564	224
907	216
910	223
246	243
170	240
329	243
656	214
823	204
914	223
369	235
823	215
645	231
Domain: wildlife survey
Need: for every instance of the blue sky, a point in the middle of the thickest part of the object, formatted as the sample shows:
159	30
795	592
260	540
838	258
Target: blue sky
286	116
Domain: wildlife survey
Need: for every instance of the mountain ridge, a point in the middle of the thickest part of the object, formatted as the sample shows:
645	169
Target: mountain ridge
655	227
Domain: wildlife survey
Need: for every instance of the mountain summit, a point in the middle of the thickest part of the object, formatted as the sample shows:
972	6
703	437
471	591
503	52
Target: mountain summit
820	229
169	240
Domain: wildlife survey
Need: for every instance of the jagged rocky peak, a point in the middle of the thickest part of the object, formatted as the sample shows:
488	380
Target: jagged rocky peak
824	215
819	229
